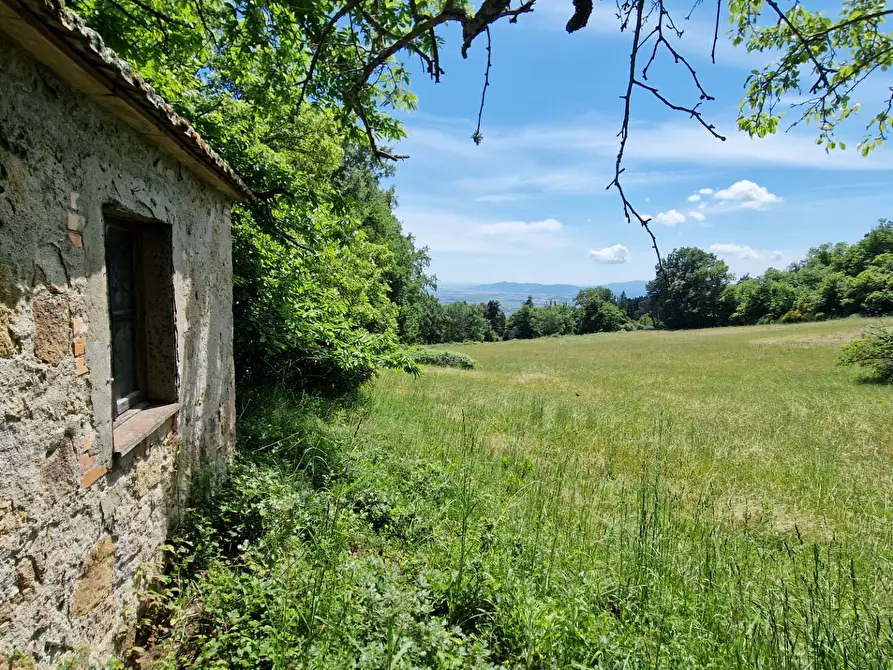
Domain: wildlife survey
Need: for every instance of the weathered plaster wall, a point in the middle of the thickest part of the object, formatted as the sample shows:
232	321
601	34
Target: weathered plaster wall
76	522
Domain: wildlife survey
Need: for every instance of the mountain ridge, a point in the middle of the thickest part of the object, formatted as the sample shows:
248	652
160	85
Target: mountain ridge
633	288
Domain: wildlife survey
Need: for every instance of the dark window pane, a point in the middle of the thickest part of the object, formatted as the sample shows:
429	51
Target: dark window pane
125	324
122	298
124	357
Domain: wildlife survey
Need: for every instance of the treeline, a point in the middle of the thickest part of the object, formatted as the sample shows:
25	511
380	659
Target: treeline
694	290
594	310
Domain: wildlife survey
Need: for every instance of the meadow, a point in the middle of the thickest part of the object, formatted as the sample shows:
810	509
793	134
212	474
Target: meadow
706	499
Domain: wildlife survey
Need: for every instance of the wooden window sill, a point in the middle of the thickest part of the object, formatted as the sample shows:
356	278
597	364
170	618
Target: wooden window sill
131	429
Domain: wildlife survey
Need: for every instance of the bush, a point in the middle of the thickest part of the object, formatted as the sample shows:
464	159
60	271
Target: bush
873	351
448	359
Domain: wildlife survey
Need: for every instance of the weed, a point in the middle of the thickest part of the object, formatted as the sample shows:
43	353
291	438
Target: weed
449	359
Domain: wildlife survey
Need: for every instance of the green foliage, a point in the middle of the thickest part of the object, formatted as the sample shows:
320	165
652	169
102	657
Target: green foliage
496	317
520	323
818	57
326	283
447	359
689	292
874	350
598	312
552	320
455	322
834	280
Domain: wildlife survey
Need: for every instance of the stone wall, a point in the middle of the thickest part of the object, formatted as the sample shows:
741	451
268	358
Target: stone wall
76	520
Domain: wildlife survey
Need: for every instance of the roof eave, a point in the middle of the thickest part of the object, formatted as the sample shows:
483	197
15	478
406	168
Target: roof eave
60	40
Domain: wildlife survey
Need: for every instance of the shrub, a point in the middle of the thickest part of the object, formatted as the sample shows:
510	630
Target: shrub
448	359
874	351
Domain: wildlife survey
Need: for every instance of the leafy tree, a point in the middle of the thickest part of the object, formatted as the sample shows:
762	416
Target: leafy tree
689	291
520	323
872	288
496	317
597	311
553	319
357	183
463	322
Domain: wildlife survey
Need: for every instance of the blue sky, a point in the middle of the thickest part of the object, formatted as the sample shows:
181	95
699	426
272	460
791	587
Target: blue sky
529	203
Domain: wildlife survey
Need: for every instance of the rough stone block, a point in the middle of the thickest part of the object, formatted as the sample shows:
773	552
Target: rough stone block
50	269
8	346
26	573
51	329
59	471
73	199
96	579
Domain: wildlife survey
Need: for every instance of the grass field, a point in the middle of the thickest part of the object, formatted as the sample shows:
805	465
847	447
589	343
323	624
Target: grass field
728	490
710	499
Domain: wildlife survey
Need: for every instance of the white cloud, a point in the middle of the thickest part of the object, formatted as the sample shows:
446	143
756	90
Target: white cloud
696	215
745	252
705	191
747	194
443	231
521	227
616	253
670	218
694	197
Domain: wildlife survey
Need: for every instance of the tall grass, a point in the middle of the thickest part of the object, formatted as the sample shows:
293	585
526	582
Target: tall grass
709	500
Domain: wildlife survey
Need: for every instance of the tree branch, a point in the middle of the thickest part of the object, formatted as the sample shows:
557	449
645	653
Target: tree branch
629	210
821	71
477	137
691	111
320	47
370	134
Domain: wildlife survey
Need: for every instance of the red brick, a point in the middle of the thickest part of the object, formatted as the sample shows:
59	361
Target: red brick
86	463
91	476
86	443
79	346
80	366
76	239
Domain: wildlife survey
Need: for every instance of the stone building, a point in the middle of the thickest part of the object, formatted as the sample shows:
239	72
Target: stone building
116	366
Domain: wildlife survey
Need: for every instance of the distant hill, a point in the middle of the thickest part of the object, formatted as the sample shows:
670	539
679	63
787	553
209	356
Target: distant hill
633	289
512	294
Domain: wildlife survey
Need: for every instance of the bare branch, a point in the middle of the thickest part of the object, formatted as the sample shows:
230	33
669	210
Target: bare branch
691	111
477	137
629	211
